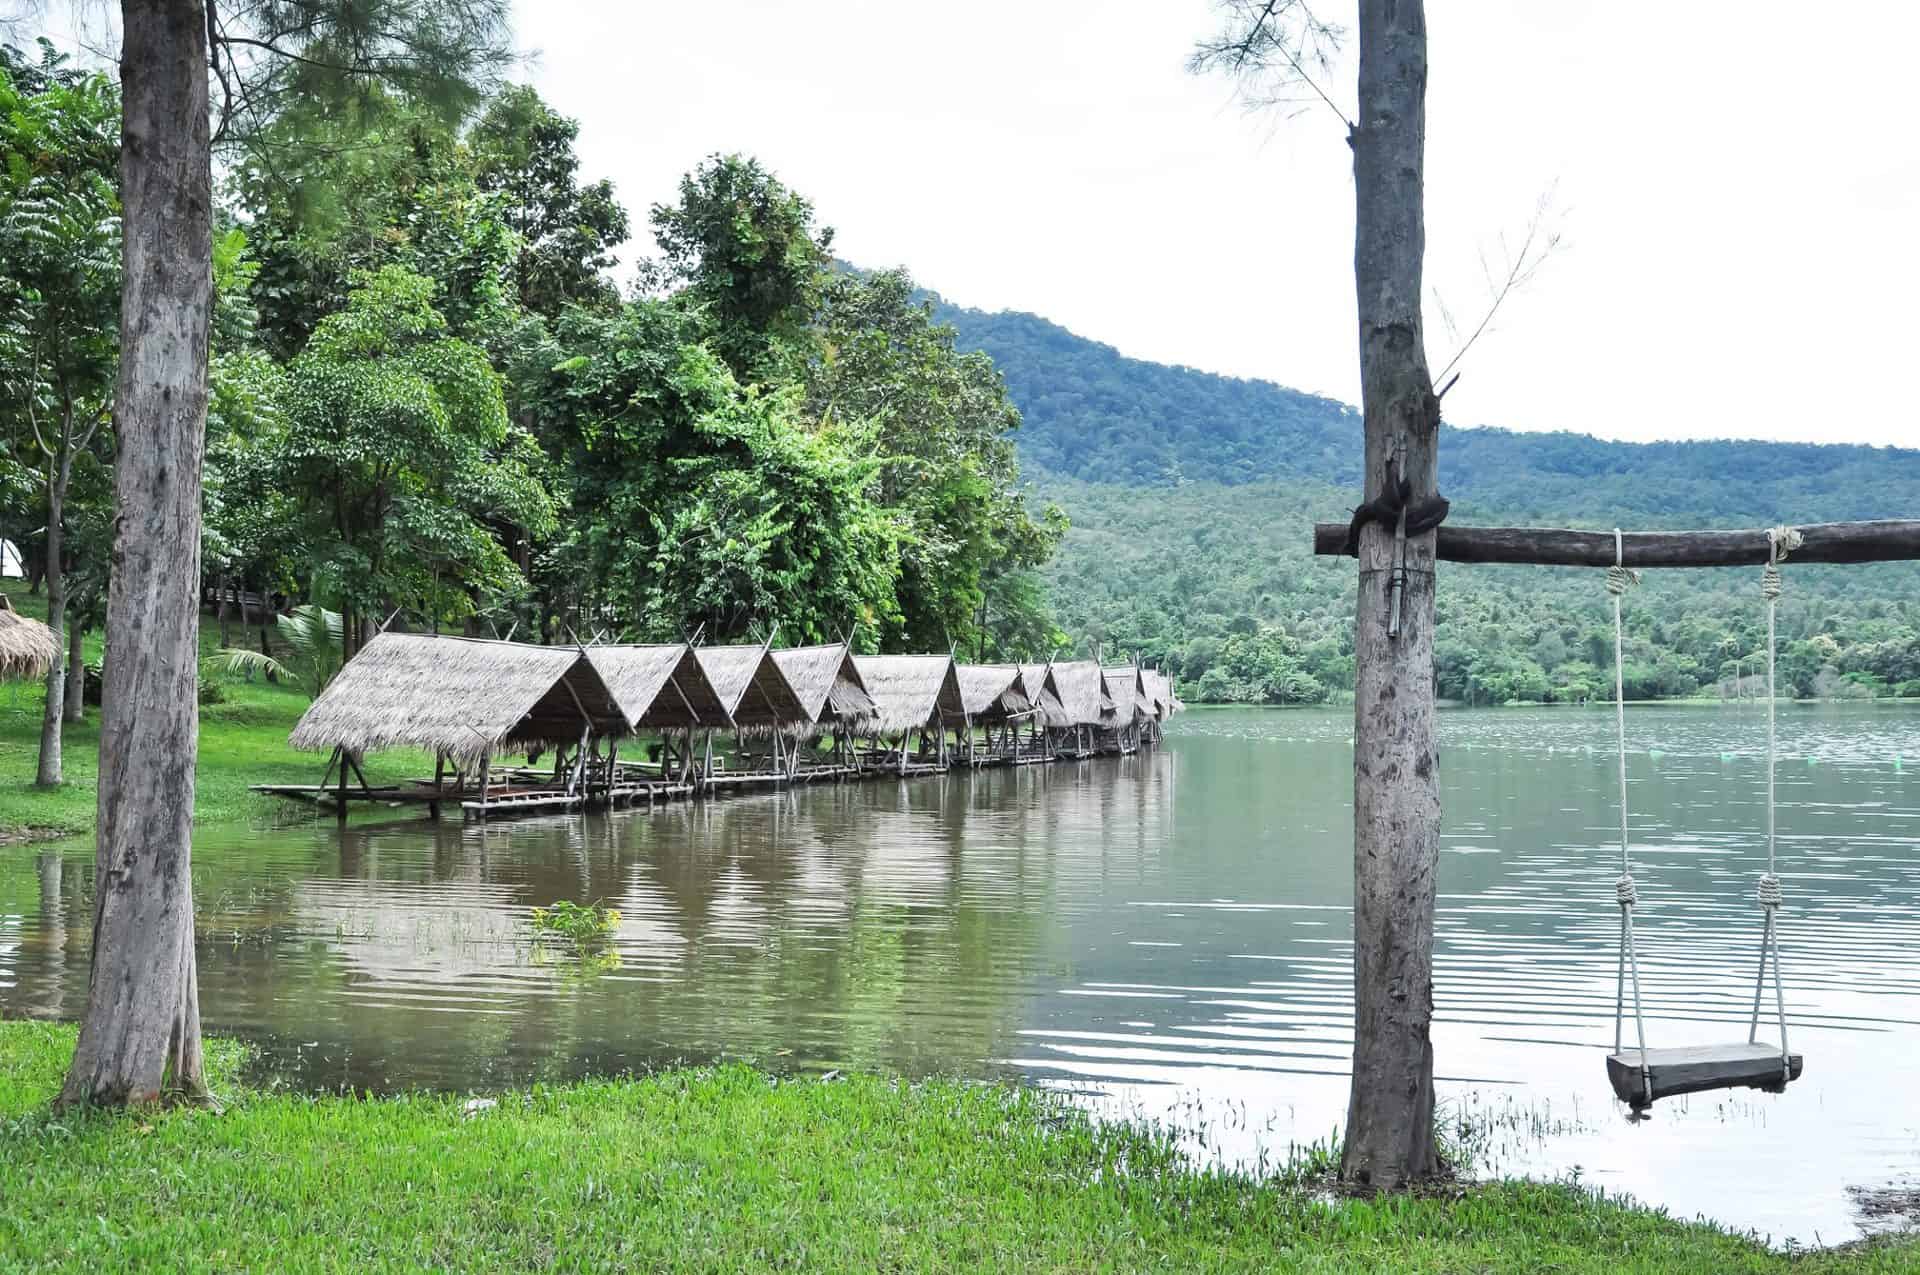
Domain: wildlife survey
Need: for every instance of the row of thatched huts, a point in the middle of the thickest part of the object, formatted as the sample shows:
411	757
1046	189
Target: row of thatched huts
614	724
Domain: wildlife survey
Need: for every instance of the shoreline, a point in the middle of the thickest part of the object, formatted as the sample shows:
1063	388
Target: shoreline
729	1168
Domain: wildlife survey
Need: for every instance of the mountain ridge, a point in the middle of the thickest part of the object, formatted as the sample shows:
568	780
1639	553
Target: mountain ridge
1097	415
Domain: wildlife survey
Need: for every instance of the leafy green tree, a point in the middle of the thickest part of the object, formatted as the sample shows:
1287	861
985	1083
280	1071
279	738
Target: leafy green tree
60	287
751	258
398	444
523	150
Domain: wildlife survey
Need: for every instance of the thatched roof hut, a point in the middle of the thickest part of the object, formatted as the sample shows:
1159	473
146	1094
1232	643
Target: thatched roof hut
909	691
1129	697
826	680
750	684
1045	696
462	697
993	692
1159	692
1082	691
659	687
27	647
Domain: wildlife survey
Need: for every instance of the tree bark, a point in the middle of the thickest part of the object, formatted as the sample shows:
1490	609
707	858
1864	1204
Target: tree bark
140	1037
53	712
76	706
1396	799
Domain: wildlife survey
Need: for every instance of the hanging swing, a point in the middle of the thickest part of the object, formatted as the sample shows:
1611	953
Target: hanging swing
1642	1076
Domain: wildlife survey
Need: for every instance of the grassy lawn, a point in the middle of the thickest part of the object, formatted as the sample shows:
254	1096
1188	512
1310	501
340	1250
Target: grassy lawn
243	741
727	1170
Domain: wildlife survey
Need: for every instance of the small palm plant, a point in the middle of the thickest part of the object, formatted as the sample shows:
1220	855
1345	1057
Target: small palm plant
312	634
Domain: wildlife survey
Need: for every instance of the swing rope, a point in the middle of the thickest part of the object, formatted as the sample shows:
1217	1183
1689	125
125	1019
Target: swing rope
1619	580
1780	542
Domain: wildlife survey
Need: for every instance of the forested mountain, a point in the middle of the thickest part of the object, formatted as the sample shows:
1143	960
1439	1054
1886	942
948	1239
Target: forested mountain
1191	496
1094	414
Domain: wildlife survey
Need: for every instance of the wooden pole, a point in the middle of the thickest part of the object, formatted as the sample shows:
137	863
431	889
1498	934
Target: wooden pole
1388	1140
1892	540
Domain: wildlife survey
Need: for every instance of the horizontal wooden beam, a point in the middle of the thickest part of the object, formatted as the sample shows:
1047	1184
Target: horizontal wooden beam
1887	541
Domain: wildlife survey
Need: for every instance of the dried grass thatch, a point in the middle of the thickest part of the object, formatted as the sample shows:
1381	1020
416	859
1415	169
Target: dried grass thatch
909	691
1082	691
993	692
826	680
750	684
28	649
459	696
1159	691
660	687
1127	694
1045	696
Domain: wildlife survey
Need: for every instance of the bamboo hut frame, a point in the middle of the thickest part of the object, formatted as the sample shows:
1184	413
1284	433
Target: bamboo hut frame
466	700
660	688
1082	691
1120	723
826	680
911	693
996	702
760	704
1050	714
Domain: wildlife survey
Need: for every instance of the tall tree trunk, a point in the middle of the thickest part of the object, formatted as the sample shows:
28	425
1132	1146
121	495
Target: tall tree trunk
76	706
220	594
53	713
140	1036
1396	793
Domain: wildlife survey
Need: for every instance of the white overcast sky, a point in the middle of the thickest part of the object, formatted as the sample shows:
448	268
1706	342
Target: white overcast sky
1738	186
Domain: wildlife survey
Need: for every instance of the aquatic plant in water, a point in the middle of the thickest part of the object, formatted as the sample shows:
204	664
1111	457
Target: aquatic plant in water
586	927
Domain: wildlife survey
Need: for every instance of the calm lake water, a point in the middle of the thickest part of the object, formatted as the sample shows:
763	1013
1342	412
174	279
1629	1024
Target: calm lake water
1165	936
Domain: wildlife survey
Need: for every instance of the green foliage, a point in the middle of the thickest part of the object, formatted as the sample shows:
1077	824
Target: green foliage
586	926
751	258
398	444
523	149
312	635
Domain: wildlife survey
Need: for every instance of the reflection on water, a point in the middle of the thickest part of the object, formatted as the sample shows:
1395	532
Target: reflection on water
1165	936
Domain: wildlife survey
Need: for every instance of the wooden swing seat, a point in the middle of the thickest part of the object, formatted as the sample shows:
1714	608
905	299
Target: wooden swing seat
1700	1067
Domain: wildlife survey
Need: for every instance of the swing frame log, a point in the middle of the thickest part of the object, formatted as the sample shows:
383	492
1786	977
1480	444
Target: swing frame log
1887	540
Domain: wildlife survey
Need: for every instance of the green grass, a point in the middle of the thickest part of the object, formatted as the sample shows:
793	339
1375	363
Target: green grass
243	741
730	1170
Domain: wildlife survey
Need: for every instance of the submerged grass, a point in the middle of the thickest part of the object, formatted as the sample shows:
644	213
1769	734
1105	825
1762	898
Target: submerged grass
728	1169
243	741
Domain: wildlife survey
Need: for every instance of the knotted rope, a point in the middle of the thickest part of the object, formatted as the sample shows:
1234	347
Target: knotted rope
1619	580
1780	542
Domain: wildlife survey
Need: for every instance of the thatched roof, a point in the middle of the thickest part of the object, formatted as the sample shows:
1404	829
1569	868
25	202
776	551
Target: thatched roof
992	692
1045	696
752	687
909	690
1124	689
1159	692
27	647
459	696
659	687
826	680
1082	691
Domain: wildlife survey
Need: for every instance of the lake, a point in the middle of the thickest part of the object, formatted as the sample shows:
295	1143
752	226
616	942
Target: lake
1164	937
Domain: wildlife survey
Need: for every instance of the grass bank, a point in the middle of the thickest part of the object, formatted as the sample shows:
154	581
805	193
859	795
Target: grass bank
729	1170
243	741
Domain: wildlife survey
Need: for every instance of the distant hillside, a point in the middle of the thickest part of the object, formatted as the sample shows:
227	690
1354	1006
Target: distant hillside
1191	496
1093	414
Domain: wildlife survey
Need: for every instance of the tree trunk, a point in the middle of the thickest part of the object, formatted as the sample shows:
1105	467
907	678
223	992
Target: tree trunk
221	589
76	707
53	712
1396	796
140	1036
